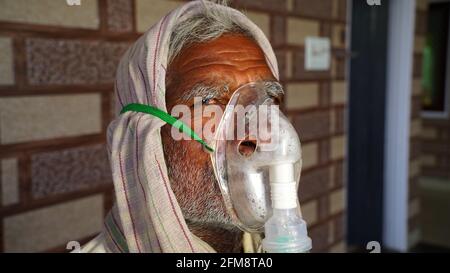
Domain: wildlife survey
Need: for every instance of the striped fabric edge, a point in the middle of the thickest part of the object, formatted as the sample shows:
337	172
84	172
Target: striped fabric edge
115	234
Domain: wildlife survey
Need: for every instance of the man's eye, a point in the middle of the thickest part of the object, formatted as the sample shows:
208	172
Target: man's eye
208	101
276	99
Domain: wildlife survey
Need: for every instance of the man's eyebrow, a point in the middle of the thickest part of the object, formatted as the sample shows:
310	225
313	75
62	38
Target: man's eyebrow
274	89
203	91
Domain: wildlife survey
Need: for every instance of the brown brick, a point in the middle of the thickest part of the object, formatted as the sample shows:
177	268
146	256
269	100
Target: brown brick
324	151
282	64
339	174
315	9
325	94
429	132
40	229
341	68
113	106
421	23
417	88
290	5
419	44
332	121
262	20
299	69
69	170
428	159
309	212
413	207
338	147
312	125
415	166
309	155
339	247
335	9
314	184
299	29
417	66
342	9
324	207
413	223
269	5
326	30
33	118
278	30
422	5
289	64
339	226
120	15
445	161
7	63
334	66
339	92
108	202
413	187
337	201
319	236
340	120
9	181
416	106
51	13
339	36
415	127
331	233
415	148
301	96
149	13
56	61
414	237
436	172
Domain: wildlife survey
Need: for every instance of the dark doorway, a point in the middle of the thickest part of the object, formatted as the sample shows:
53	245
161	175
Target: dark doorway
435	58
366	122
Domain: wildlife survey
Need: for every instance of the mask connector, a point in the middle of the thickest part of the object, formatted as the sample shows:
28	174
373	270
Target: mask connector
285	231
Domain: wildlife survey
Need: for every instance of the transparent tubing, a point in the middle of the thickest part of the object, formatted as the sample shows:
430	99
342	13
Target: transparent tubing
285	231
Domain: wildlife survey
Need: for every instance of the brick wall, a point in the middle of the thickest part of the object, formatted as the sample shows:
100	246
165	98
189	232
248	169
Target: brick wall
435	138
436	148
57	71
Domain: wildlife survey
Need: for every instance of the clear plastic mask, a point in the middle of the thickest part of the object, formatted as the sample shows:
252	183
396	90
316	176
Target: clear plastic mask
252	135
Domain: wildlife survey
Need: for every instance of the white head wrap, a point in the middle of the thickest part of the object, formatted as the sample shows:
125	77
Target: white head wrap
146	216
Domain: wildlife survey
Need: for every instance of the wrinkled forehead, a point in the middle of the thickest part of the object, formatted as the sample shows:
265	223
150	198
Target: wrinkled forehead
228	61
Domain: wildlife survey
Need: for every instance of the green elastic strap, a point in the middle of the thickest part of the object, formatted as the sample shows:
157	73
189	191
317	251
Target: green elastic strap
142	108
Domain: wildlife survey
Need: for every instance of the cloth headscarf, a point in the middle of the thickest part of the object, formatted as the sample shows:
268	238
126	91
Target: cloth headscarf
146	216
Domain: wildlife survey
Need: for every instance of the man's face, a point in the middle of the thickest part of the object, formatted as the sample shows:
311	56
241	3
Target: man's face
212	70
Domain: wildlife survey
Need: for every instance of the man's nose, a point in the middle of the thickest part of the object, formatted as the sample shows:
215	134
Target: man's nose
247	147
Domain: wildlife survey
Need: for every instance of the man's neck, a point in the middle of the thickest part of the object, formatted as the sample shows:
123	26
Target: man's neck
220	239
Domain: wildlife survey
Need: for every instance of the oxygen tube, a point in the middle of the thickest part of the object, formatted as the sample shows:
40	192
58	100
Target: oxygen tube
285	231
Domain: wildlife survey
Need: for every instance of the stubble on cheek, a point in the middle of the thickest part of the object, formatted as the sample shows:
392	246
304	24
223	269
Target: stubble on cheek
193	182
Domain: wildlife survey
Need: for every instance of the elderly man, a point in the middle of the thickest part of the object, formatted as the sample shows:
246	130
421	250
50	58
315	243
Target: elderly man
167	196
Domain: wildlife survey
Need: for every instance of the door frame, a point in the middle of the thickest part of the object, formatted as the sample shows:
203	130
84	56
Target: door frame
398	119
